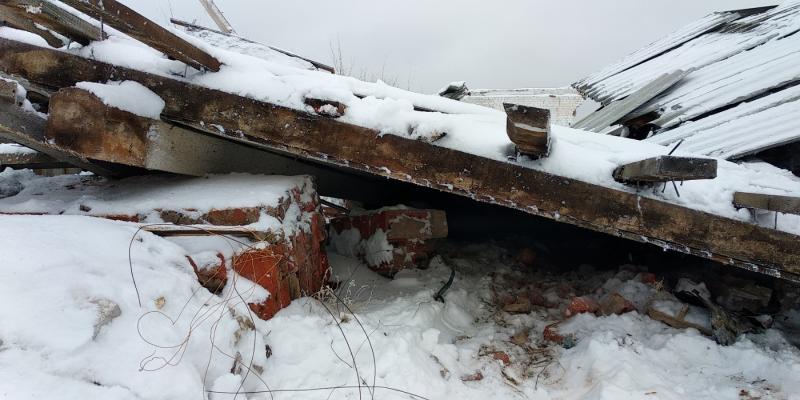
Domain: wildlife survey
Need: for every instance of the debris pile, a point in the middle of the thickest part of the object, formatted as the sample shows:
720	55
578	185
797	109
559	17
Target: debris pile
128	96
276	223
390	239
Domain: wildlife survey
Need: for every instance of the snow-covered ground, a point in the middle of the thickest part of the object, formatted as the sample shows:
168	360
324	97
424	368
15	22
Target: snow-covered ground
71	327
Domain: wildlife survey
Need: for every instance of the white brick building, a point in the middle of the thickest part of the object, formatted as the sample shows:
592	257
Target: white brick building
562	102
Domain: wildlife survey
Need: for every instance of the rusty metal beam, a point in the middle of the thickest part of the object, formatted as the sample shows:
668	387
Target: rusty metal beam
331	142
128	21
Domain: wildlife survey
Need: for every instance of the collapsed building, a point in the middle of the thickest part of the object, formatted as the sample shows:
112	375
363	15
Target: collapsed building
128	97
724	86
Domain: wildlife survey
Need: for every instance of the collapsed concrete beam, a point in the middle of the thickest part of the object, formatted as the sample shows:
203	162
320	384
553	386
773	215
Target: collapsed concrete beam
148	32
81	122
27	129
666	169
331	142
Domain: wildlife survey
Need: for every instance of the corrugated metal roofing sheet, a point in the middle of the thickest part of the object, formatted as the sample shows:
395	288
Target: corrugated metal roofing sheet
734	66
746	129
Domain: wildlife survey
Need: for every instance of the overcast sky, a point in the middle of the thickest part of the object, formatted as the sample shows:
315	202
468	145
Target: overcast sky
424	44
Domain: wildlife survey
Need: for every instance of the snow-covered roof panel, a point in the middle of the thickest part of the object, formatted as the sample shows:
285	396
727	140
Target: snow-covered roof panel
659	47
750	127
738	71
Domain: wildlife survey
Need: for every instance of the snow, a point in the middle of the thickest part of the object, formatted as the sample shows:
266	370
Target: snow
91	195
13	148
73	328
49	310
127	96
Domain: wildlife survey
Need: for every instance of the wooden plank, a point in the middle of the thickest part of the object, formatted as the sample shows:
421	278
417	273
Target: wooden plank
617	110
666	169
529	129
204	230
328	141
130	22
33	15
771	202
30	160
80	122
216	15
194	29
11	17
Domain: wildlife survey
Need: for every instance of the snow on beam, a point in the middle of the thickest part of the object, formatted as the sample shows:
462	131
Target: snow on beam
148	32
770	202
331	142
83	123
199	31
666	169
529	129
43	18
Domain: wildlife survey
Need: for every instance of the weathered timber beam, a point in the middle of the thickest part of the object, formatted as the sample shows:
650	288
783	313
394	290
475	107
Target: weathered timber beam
529	129
11	17
667	168
216	15
30	160
33	15
204	230
329	141
27	129
80	122
130	22
771	202
192	28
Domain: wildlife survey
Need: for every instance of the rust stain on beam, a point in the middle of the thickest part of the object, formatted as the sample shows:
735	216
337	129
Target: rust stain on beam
130	22
27	129
81	122
329	141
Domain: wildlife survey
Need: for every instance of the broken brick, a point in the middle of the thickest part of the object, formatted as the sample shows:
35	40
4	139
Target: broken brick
477	376
648	278
526	257
580	305
268	268
212	276
502	357
615	304
233	216
407	234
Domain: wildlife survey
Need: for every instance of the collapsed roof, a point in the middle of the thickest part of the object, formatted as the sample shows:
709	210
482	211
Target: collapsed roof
734	89
127	101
